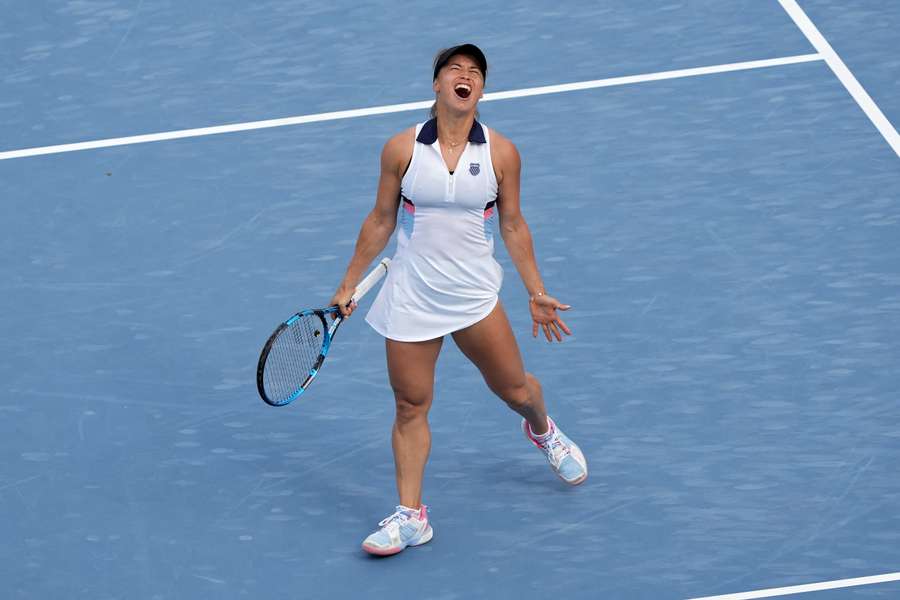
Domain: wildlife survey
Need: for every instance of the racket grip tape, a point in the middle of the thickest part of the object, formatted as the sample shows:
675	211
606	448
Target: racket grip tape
371	279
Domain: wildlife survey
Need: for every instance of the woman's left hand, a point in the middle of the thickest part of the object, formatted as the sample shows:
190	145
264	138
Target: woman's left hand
543	313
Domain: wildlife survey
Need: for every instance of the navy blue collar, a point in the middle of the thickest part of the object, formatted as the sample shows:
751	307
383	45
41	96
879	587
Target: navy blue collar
429	133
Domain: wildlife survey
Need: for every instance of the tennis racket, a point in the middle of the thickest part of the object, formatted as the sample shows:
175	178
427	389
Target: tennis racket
294	353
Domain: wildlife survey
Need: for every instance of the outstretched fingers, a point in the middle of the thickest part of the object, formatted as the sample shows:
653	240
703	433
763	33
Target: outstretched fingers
544	317
550	328
563	326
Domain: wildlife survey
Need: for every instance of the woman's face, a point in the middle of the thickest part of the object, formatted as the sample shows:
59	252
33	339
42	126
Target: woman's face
460	83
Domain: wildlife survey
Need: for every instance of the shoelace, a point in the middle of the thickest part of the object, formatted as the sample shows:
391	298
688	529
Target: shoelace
557	449
399	518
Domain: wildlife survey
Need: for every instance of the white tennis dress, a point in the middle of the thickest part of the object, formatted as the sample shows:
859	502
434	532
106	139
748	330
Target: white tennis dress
443	276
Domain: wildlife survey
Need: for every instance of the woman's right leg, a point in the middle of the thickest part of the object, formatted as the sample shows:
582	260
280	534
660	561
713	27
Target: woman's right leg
411	371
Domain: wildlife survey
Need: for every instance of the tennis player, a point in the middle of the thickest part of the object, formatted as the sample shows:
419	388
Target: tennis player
450	178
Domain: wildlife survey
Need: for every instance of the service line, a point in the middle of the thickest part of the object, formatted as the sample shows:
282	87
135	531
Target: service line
408	106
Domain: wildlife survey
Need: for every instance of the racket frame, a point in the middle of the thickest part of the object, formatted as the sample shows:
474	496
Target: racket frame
361	289
322	313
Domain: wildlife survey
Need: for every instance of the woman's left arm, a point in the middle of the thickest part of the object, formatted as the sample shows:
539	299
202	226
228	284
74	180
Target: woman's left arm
519	244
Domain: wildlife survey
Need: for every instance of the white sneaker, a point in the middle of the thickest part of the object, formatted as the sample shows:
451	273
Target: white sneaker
563	454
406	527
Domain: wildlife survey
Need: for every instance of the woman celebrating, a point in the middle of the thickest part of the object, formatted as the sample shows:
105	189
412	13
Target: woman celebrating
452	176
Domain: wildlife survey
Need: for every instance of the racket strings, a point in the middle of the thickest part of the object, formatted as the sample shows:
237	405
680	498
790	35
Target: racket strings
292	357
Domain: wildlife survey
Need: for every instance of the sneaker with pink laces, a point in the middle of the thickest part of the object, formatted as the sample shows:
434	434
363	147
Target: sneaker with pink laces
562	453
406	527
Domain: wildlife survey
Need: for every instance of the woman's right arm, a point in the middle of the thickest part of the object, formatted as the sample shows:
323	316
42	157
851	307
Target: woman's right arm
379	225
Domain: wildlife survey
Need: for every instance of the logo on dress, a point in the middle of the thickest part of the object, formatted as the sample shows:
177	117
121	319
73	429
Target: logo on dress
474	168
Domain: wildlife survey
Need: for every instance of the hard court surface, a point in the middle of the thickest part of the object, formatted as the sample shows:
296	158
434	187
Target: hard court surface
729	242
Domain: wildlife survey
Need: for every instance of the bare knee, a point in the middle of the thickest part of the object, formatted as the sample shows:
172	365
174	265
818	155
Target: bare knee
411	406
521	393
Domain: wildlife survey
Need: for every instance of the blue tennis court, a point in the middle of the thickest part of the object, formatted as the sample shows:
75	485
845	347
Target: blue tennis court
729	241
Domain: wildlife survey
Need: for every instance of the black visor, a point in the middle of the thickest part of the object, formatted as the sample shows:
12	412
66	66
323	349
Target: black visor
470	50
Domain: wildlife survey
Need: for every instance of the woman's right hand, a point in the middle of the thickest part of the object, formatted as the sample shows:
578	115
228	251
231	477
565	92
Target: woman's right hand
342	298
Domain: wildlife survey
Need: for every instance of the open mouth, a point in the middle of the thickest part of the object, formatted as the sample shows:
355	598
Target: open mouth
463	90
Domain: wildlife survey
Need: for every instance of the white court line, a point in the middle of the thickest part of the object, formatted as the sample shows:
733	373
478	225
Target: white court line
381	110
809	587
843	73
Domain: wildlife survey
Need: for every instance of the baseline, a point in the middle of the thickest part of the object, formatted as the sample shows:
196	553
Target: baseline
809	587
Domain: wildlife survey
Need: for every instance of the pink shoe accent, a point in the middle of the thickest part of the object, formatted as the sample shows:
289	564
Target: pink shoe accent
417	513
531	435
380	552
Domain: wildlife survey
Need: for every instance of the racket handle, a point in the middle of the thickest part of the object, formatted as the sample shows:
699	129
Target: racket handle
371	279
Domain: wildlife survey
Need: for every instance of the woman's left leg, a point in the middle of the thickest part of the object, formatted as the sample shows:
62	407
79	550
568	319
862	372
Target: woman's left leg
491	346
